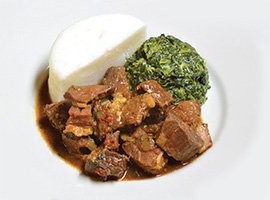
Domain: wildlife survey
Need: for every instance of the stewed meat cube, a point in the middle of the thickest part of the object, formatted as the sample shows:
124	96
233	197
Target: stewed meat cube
78	145
80	121
189	112
115	77
108	114
112	140
101	114
81	95
177	139
105	164
57	113
137	108
142	150
161	96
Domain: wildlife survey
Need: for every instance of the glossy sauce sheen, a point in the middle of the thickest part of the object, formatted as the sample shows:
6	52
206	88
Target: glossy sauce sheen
53	139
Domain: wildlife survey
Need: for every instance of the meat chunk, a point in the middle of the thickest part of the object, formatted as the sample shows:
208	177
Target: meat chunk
203	132
80	121
189	112
115	77
78	145
81	95
177	139
141	148
57	113
100	112
108	114
111	141
161	96
105	164
137	108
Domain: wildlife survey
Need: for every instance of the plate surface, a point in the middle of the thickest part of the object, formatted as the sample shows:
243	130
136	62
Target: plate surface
234	39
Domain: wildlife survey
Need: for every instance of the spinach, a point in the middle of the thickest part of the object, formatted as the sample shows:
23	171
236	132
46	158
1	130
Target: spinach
174	64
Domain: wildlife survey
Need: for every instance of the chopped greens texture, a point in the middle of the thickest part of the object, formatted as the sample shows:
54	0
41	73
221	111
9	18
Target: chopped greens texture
174	64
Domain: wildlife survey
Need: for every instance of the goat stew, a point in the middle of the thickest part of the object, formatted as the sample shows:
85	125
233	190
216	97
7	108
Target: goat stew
110	133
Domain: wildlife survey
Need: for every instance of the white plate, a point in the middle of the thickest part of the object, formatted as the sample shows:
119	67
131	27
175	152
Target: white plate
233	37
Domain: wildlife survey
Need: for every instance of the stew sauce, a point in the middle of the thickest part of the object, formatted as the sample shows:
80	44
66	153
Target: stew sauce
54	141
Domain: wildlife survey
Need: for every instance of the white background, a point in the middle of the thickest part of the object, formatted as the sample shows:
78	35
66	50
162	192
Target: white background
234	39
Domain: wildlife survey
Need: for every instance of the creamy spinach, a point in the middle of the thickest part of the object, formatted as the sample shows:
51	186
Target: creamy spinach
176	66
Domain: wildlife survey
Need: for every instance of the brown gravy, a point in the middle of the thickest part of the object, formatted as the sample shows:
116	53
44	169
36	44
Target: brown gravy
53	139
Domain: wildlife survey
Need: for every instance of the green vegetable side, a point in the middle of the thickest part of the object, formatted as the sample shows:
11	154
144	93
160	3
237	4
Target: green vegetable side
174	64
